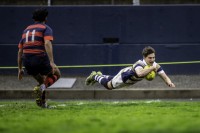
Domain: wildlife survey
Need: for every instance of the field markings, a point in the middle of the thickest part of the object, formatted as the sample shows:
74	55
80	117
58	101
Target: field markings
2	105
117	102
61	105
153	101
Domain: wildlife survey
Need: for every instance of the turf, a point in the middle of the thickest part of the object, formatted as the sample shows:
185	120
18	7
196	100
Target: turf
101	117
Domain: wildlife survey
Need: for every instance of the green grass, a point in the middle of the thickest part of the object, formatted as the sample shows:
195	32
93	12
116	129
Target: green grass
101	117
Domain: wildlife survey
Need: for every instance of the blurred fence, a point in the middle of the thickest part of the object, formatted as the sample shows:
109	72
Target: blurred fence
110	35
95	2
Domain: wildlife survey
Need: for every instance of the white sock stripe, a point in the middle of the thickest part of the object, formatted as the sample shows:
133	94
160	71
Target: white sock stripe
95	77
100	79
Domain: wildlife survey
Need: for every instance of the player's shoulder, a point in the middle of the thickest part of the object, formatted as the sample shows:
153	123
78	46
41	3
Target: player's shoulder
48	28
36	26
47	25
139	63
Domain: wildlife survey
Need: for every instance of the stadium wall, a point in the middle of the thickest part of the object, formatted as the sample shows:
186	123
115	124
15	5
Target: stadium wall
110	35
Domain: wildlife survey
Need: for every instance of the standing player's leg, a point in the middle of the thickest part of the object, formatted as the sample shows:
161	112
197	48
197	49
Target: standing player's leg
44	82
51	78
45	77
32	65
39	91
48	80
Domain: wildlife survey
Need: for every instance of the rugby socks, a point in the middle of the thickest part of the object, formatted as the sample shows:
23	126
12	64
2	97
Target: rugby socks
51	79
42	87
103	79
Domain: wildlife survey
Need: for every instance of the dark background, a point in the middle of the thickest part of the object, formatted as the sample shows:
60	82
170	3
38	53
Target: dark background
109	35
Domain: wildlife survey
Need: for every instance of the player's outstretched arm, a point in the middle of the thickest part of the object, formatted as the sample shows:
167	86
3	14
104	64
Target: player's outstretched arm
167	79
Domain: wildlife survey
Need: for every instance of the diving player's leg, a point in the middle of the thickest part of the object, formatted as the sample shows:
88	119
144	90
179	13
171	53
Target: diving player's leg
98	77
90	79
110	82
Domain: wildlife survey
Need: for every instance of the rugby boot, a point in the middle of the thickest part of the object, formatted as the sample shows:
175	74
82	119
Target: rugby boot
43	100
90	78
44	103
38	95
38	102
99	73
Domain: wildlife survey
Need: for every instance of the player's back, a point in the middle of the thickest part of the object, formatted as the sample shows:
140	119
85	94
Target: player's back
33	39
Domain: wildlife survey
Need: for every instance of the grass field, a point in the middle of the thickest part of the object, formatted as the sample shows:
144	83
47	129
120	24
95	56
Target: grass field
101	117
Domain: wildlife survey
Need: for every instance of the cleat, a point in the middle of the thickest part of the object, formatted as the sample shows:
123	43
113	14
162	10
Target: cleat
38	102
90	79
41	104
43	100
44	105
37	92
99	73
40	97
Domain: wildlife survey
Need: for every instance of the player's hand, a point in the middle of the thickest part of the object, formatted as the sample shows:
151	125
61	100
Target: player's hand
171	85
20	74
154	68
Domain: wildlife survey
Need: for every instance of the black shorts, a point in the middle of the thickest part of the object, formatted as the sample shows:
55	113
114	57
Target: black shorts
37	64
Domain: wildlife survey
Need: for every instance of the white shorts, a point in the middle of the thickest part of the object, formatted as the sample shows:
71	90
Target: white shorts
117	81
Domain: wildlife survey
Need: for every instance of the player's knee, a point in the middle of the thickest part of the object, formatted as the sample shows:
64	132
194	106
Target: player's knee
109	86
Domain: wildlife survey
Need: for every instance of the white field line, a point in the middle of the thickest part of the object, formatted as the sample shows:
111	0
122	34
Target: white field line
113	102
61	105
153	101
2	105
124	102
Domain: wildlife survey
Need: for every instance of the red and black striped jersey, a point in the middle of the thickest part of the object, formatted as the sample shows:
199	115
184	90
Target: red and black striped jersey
33	37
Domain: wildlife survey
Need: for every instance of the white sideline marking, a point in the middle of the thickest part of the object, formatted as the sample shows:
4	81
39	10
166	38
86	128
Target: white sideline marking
62	105
111	103
80	103
152	101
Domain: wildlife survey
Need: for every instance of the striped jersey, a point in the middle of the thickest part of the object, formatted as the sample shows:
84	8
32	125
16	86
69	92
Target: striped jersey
32	41
129	74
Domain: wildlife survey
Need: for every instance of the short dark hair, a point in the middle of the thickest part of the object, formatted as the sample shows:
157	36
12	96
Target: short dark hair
40	14
148	50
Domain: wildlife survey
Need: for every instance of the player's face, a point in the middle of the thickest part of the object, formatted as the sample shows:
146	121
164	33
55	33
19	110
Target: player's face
150	59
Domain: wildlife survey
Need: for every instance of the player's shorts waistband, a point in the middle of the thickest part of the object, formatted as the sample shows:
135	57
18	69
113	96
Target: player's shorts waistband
35	54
